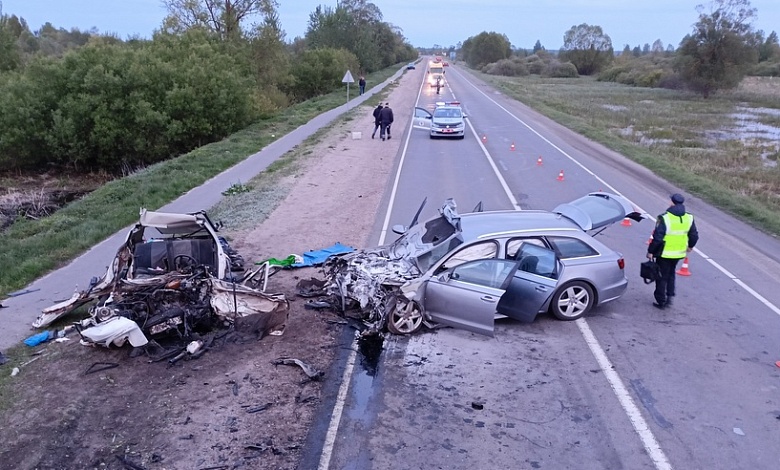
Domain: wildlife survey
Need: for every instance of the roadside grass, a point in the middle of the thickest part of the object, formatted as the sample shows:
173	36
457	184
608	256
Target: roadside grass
31	248
692	142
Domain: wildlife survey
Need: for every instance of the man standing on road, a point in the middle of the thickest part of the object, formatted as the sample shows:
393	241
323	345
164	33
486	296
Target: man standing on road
362	84
674	236
385	120
376	112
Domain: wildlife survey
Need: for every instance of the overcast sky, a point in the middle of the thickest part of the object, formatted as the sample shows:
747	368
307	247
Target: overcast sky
425	23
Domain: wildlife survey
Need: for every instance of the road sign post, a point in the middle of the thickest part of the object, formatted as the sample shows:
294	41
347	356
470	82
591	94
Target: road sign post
348	79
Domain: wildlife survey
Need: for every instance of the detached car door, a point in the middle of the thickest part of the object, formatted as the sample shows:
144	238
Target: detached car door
422	119
466	296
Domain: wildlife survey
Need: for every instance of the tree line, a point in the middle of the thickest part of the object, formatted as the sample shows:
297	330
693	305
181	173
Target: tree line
85	101
722	48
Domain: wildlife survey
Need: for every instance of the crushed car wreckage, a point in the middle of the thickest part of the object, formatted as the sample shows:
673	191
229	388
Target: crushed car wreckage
467	270
173	277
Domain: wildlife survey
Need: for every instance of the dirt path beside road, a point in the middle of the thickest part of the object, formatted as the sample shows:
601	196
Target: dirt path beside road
232	408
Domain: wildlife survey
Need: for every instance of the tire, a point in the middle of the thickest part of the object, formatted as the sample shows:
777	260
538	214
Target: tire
572	301
406	318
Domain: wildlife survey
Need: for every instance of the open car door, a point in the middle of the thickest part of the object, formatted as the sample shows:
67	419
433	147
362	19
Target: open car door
422	119
466	296
531	284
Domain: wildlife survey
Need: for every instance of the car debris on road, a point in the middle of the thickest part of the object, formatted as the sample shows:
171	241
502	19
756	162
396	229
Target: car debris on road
173	277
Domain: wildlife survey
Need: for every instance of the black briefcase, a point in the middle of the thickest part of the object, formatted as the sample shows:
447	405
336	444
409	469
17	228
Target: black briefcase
650	271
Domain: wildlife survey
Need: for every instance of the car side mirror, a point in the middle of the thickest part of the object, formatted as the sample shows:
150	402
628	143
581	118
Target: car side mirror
465	116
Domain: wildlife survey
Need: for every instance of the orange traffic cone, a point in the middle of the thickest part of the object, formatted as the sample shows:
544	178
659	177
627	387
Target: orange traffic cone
560	176
683	271
512	147
484	138
626	222
539	160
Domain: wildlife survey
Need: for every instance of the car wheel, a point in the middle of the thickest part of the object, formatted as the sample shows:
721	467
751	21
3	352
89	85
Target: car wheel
406	318
572	301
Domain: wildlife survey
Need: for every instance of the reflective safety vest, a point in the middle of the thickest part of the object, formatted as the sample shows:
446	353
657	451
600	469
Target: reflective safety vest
676	239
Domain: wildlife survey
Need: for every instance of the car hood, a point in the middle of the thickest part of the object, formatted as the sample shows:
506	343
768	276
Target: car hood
597	210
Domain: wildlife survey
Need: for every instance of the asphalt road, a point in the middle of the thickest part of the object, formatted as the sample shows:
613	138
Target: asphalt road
628	386
59	285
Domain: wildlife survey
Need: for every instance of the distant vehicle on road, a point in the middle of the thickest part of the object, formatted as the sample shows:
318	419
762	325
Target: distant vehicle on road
410	66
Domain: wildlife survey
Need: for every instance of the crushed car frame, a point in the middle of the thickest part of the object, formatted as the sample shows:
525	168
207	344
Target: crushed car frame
173	277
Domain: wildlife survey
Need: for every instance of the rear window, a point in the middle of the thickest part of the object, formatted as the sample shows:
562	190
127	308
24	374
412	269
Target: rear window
571	247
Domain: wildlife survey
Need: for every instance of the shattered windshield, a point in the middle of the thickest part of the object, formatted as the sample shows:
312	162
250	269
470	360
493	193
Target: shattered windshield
426	243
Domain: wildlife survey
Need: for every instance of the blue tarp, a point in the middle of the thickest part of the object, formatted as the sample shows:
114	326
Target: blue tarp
315	257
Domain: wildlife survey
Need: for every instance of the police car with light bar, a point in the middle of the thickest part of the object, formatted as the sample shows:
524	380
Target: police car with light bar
447	119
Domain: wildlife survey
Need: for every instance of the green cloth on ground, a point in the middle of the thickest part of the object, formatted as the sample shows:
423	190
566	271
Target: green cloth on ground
289	261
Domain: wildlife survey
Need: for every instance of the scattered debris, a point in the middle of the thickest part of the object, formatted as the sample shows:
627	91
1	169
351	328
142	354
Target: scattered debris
255	409
3	359
172	278
100	366
310	371
14	372
739	432
39	338
22	292
477	405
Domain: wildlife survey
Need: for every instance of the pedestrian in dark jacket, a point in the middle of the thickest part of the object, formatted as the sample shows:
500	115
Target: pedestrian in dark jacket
377	110
674	237
385	120
362	84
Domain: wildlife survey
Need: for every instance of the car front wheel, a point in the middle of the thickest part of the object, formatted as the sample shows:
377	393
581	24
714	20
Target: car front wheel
572	301
406	318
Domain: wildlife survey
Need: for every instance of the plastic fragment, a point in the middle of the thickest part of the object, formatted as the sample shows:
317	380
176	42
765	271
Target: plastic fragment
739	432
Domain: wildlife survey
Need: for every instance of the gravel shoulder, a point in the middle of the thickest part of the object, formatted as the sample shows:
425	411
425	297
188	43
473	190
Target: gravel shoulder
232	408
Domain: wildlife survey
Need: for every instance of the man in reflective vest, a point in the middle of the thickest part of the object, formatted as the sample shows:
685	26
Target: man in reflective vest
674	236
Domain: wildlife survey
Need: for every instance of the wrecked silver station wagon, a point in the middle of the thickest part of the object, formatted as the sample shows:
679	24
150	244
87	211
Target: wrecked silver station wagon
174	276
465	270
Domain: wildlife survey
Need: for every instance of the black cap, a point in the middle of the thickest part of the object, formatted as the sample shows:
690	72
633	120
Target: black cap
678	198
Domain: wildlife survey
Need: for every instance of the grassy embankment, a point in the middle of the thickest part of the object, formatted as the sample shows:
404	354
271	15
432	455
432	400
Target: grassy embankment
680	136
31	248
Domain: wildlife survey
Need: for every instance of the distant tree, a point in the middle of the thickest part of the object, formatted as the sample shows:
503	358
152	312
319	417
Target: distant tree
769	49
636	51
10	59
646	49
222	17
720	51
486	48
657	47
357	26
319	71
588	48
538	46
670	49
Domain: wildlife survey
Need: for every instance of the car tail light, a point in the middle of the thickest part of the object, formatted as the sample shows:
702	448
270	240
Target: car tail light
621	263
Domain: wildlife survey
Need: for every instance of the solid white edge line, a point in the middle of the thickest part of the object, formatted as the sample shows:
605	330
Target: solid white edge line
338	409
346	378
624	397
